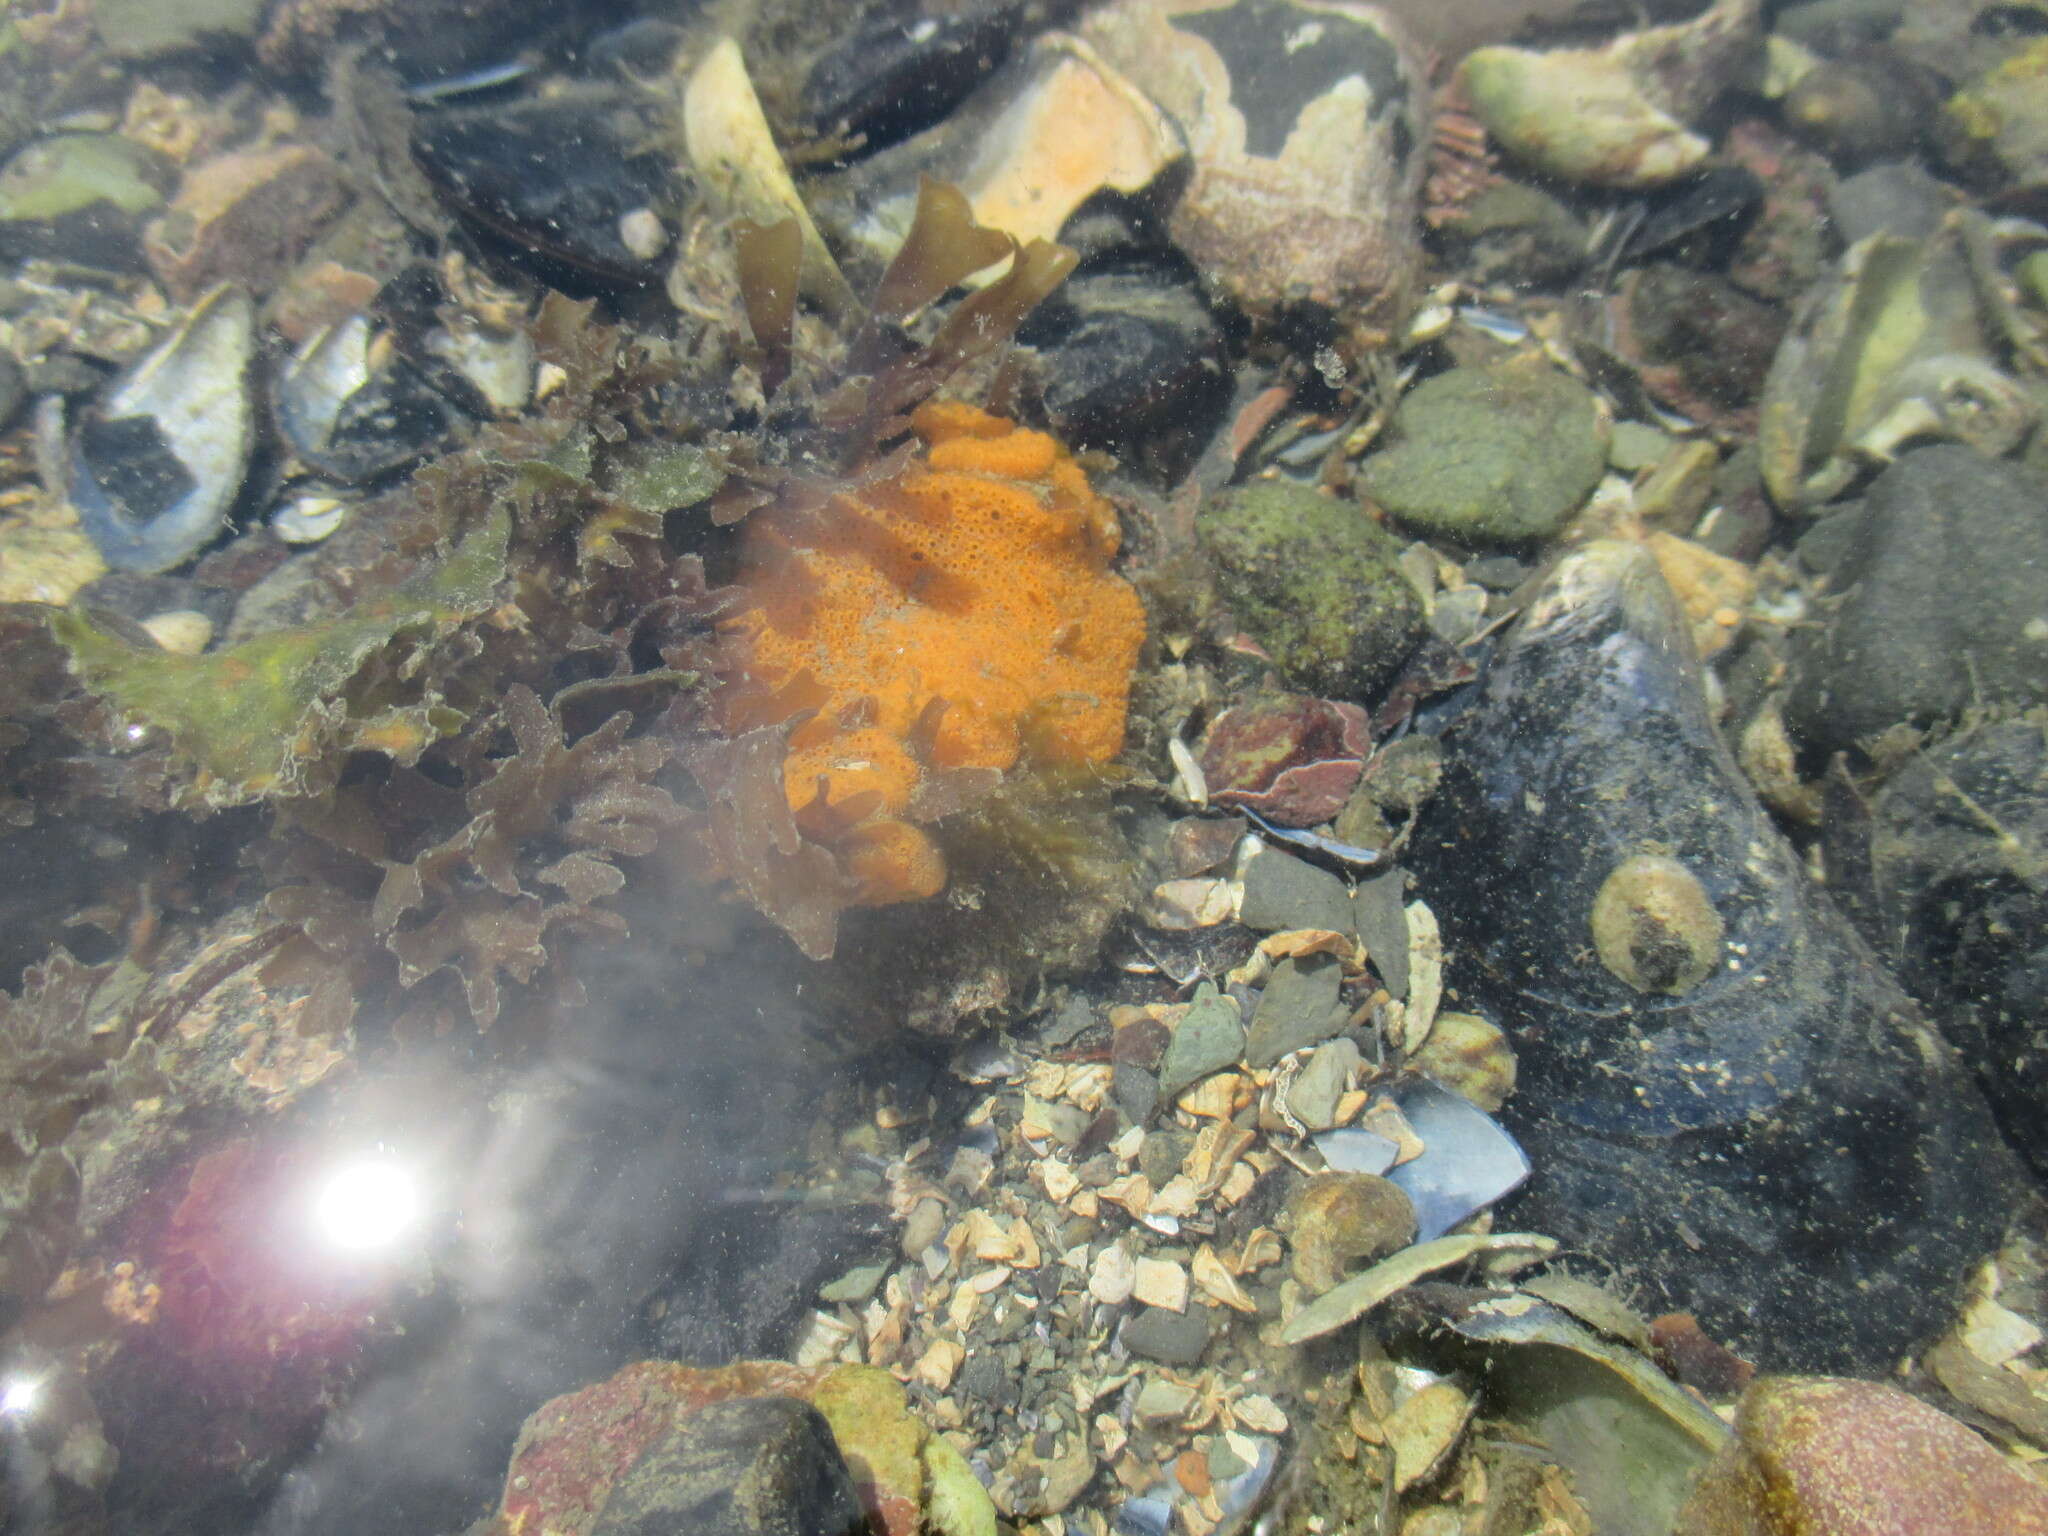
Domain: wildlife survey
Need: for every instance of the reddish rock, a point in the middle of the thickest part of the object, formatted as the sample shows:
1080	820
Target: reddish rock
1821	1456
576	1447
1685	1349
1291	758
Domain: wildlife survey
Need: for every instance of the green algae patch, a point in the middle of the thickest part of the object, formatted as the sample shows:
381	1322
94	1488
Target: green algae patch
957	1504
669	479
260	718
881	1439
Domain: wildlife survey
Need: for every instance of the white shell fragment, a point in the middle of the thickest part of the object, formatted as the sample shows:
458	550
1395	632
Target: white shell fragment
308	518
156	462
1200	902
497	364
331	367
733	150
1425	975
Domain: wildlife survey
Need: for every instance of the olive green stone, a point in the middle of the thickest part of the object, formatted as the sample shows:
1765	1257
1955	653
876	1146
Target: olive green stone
1500	455
138	29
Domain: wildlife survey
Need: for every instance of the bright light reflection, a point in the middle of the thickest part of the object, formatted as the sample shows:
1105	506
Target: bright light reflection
366	1207
20	1394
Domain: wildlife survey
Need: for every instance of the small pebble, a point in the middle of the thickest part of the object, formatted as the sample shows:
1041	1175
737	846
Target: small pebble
927	1221
1159	1400
183	632
1170	1338
1300	1007
1208	1038
1112	1276
1316	1090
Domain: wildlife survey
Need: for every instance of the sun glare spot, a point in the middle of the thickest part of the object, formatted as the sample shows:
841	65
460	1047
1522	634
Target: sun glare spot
367	1207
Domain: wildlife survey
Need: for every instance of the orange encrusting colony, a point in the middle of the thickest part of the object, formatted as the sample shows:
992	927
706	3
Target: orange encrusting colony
955	615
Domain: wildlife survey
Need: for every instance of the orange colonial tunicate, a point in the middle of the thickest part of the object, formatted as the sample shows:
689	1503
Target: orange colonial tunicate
953	615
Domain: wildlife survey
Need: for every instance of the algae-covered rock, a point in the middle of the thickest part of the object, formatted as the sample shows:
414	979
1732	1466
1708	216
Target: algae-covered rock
1314	581
1499	455
255	718
1820	1456
577	1449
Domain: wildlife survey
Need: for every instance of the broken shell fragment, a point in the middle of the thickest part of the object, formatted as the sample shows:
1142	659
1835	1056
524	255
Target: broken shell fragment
1467	1163
733	150
1892	346
1308	123
1027	149
1654	925
1615	116
156	462
352	409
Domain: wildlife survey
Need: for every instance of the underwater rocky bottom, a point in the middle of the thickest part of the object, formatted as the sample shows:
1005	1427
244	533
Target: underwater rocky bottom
1274	765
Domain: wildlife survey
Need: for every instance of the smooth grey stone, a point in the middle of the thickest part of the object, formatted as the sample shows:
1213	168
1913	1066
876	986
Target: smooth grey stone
1499	455
1170	1338
1209	1038
1941	605
1299	1007
1282	892
1135	1090
1381	913
1897	198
